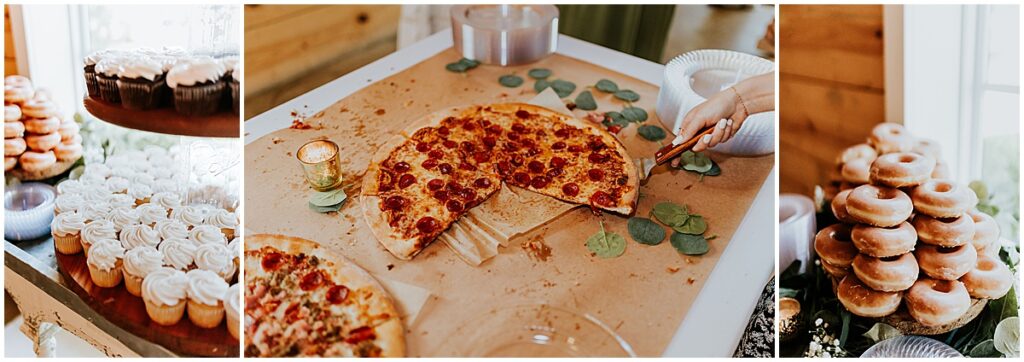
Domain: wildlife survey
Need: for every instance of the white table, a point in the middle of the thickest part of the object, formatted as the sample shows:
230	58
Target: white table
719	315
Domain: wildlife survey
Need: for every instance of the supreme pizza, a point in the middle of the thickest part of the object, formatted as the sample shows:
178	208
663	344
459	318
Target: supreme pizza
454	160
301	300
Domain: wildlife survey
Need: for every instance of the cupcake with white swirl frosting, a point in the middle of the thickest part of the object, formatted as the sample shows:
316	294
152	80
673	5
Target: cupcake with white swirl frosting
123	217
165	291
120	200
138	263
66	228
191	216
95	210
235	247
150	214
95	231
216	258
171	229
205	292
197	85
68	203
105	262
178	253
70	187
232	302
137	235
141	83
168	200
117	184
207	234
140	192
225	220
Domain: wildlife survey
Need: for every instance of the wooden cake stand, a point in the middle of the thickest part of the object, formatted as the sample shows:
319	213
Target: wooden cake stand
129	312
166	120
57	169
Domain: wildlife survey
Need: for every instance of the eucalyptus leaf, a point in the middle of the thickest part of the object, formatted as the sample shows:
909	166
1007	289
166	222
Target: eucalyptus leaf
469	63
1007	337
606	86
585	101
985	349
606	245
539	73
634	114
328	198
563	87
694	161
617	119
326	209
980	189
694	225
670	214
540	85
645	231
989	209
651	133
456	67
714	171
689	244
510	80
627	95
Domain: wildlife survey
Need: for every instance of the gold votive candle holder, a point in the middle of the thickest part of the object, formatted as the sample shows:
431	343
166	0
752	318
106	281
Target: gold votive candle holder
789	318
321	164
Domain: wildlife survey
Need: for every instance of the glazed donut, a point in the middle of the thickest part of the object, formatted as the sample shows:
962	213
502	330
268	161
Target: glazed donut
891	274
856	171
836	272
990	278
68	152
861	300
12	113
68	130
854	152
35	161
43	142
834	247
942	198
937	302
944	232
946	263
941	171
14	129
16	94
14	146
42	125
926	147
39	108
879	206
10	162
843	186
18	80
986	231
839	208
884	242
901	169
76	139
889	137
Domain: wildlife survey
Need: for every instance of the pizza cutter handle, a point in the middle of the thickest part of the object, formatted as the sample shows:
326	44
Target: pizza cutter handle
668	152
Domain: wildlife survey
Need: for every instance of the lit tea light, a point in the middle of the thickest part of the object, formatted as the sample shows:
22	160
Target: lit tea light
789	317
320	164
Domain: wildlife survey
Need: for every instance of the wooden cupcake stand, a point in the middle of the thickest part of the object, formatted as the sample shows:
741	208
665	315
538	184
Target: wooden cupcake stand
55	290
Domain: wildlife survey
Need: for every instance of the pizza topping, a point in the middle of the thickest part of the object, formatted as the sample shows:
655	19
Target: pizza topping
469	126
601	198
596	144
597	157
513	136
422	147
532	152
554	172
536	167
575	149
445	168
562	133
482	182
540	182
504	168
429	163
467	194
558	145
518	127
394	203
435	154
557	162
337	294
468	146
435	184
406	180
522	178
441	195
311	281
272	261
384	180
510	147
527	143
443	131
453	206
401	167
571	189
481	157
518	160
595	174
426	225
449	144
496	129
490	141
360	334
522	114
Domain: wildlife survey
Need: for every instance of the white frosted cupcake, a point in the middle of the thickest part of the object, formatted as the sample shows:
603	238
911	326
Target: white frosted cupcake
105	260
123	217
189	215
235	247
95	210
232	301
165	292
138	263
70	187
140	192
96	230
68	203
207	234
91	181
97	193
66	228
168	200
120	200
150	214
97	169
225	220
205	292
137	235
142	179
117	184
216	258
171	229
178	253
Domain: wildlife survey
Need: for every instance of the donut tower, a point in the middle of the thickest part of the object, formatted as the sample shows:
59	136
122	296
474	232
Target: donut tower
907	234
35	136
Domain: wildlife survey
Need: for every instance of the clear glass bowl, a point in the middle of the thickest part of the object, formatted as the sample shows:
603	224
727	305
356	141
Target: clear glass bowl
910	347
536	330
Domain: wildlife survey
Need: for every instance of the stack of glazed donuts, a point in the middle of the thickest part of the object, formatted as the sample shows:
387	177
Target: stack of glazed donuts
35	136
907	234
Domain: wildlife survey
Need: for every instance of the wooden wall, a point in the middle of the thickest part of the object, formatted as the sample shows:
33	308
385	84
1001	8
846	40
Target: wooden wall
831	87
291	49
10	62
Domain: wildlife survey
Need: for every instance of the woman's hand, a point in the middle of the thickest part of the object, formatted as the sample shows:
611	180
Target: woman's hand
721	111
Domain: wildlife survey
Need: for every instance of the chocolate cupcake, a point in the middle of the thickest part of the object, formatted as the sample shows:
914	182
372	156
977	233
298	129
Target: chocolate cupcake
230	98
234	90
91	85
140	83
106	77
198	86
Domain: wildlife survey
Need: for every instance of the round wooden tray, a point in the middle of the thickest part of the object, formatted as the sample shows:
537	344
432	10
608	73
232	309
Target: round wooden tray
57	169
166	120
129	312
906	324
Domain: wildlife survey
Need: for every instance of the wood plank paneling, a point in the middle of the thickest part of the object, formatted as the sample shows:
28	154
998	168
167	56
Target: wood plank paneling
831	87
10	61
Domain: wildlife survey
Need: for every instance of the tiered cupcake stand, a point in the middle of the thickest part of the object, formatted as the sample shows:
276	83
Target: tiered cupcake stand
54	291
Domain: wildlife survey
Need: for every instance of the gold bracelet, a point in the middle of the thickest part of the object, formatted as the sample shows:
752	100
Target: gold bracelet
743	104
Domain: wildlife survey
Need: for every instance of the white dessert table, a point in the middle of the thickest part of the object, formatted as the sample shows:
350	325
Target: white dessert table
718	317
